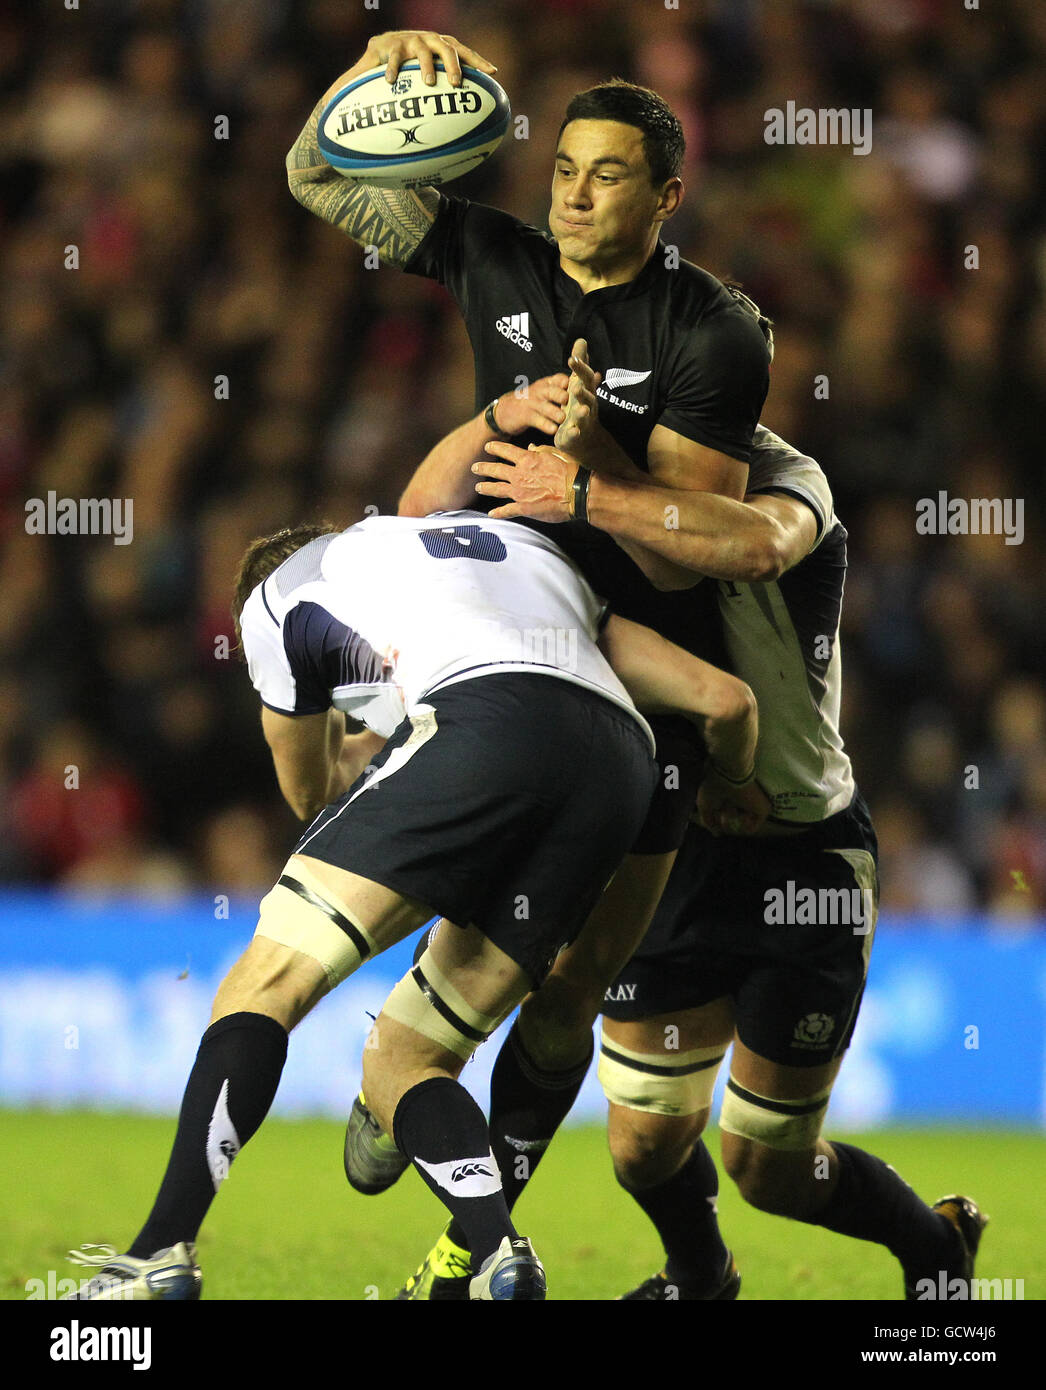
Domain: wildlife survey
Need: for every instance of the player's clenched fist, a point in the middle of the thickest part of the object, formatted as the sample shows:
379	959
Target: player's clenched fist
399	46
725	809
540	407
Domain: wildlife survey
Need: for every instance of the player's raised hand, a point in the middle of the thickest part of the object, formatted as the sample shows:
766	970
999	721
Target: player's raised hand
725	809
541	407
399	46
539	481
582	412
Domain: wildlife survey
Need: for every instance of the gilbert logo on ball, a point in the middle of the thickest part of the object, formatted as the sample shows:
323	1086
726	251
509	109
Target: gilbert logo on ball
405	133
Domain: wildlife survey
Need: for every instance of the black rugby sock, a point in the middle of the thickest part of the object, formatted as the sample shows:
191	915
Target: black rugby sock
870	1201
230	1088
443	1131
527	1106
683	1209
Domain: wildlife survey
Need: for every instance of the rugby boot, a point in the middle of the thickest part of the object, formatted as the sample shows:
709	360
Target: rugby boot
659	1289
442	1277
969	1221
513	1272
170	1275
372	1161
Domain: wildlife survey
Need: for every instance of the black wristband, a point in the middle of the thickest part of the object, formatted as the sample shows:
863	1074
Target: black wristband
491	420
582	478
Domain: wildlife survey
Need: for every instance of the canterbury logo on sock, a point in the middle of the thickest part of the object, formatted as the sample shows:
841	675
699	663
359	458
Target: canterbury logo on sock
223	1143
465	1177
470	1170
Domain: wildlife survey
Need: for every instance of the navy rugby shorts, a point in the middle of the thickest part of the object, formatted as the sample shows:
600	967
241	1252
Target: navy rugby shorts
718	932
510	810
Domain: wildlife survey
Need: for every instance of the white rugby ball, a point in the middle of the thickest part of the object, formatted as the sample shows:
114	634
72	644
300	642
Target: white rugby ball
405	133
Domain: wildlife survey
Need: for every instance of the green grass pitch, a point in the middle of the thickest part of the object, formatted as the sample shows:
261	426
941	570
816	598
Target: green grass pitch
287	1226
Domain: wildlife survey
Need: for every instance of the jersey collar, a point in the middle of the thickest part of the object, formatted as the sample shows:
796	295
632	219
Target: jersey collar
628	289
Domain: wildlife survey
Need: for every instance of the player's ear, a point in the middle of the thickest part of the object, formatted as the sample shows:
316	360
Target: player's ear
671	197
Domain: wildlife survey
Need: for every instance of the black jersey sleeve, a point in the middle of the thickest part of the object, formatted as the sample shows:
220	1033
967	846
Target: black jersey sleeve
463	239
719	383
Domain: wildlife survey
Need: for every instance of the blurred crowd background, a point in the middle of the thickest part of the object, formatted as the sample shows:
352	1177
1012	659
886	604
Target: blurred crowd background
195	262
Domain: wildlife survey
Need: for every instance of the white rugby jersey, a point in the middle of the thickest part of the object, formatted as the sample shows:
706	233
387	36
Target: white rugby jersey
375	619
783	639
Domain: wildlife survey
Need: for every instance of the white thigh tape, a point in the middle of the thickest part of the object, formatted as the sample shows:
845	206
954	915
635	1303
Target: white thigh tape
302	913
663	1083
426	1001
779	1124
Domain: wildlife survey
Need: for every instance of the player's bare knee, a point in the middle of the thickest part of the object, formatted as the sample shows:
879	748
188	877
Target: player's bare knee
769	1145
426	1028
648	1149
771	1180
659	1104
272	980
389	1070
397	1058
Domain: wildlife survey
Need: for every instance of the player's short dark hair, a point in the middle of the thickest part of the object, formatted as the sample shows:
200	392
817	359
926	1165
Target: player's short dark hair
267	554
617	100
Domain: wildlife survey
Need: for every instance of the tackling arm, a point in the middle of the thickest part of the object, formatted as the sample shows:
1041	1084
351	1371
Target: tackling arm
443	481
701	533
678	465
316	761
673	461
664	679
692	533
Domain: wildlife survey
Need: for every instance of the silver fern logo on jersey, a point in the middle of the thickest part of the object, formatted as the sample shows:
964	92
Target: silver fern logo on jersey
617	377
620	379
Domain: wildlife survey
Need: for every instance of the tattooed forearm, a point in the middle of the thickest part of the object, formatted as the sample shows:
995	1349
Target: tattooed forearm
391	219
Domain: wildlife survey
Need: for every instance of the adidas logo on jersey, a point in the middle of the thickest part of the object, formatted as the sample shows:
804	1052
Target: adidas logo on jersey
516	328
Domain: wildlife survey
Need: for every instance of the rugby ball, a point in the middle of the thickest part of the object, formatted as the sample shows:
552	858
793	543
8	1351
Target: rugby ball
405	133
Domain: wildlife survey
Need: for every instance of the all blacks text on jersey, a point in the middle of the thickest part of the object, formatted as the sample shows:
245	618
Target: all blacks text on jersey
612	399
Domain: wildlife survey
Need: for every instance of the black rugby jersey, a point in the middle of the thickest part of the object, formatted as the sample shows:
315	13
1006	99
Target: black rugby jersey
674	347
